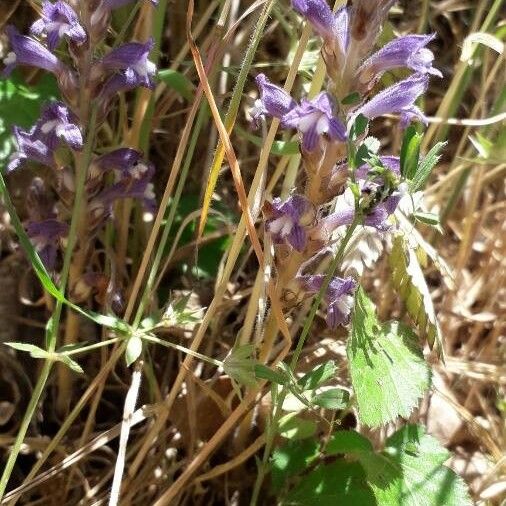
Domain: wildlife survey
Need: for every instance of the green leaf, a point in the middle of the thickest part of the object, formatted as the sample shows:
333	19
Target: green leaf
293	427
291	458
359	126
264	372
430	219
425	167
133	349
410	152
408	279
240	365
410	472
348	441
318	376
72	364
387	367
351	99
340	483
33	350
334	398
178	82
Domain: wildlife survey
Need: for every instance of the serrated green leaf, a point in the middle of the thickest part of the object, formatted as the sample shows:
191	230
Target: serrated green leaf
410	472
387	367
133	349
410	152
318	376
292	427
274	376
425	167
340	483
178	82
291	458
408	279
348	441
334	398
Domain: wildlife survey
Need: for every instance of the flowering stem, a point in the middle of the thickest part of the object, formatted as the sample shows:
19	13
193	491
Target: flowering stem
273	425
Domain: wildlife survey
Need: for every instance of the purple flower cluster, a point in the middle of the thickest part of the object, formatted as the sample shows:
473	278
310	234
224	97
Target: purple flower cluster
61	127
338	191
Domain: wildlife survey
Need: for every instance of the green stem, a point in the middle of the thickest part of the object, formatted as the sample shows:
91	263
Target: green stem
54	322
273	425
84	349
168	344
30	410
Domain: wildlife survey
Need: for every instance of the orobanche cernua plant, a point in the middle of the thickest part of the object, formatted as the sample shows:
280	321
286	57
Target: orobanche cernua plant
355	202
76	179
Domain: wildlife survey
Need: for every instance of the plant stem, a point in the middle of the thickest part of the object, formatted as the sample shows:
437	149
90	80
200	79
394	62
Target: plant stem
273	425
168	344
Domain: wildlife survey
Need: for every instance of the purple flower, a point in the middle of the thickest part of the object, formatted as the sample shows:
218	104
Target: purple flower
133	184
132	61
339	297
58	124
30	148
288	219
58	20
274	101
45	236
399	98
125	161
27	51
314	118
408	51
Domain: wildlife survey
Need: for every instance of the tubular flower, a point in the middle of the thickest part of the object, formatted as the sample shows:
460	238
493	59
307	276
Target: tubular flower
399	98
58	20
409	51
339	297
27	51
312	118
45	236
288	219
30	148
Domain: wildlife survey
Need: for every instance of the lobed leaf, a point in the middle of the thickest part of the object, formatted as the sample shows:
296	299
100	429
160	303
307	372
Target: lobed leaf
388	371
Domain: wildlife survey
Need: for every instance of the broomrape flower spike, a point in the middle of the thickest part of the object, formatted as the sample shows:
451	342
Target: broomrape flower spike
58	20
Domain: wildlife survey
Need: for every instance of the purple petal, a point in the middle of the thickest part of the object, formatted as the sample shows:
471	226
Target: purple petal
399	98
275	101
121	160
57	20
27	51
30	148
408	51
297	238
310	139
58	123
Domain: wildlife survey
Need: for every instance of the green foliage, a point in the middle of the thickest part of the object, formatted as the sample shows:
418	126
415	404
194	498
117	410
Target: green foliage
293	427
318	376
334	398
409	281
410	152
240	365
178	82
20	105
133	349
292	458
425	167
280	148
388	370
409	471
